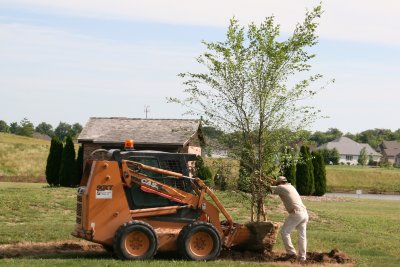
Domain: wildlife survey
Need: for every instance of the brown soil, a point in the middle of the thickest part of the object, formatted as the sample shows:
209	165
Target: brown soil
23	179
262	236
333	257
84	248
50	248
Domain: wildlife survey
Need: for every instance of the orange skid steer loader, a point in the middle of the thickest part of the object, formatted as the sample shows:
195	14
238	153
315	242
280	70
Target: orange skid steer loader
136	203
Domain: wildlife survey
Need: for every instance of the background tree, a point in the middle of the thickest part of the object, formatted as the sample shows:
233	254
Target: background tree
246	90
68	172
203	172
54	162
319	173
288	167
25	128
62	130
14	127
44	128
363	157
304	173
79	165
324	137
331	156
4	128
76	130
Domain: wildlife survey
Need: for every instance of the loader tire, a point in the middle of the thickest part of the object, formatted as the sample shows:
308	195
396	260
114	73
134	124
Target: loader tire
135	240
199	241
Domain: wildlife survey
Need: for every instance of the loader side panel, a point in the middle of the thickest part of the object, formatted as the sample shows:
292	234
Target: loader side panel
105	207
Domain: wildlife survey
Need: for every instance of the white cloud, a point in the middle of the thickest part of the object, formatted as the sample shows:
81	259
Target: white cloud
357	20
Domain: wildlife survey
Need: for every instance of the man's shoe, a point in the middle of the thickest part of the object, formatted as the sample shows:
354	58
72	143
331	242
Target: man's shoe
302	261
289	257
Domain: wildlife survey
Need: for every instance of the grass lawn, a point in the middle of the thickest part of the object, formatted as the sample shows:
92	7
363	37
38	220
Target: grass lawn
367	230
22	156
374	180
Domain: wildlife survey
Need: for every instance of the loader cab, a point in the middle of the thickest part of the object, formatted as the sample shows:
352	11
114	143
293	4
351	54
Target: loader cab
176	162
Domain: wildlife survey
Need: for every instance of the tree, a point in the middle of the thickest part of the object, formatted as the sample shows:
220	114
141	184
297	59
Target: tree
288	167
319	174
79	165
4	128
62	130
14	127
25	128
325	137
76	130
363	157
304	173
246	89
45	128
68	172
202	171
54	162
331	156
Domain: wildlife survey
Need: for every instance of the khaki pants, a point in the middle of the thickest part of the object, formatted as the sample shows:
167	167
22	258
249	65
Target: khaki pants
298	221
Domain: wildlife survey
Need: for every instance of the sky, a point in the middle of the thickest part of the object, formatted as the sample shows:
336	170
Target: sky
69	60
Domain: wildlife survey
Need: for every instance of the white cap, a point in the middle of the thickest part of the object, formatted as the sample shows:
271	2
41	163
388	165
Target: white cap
281	179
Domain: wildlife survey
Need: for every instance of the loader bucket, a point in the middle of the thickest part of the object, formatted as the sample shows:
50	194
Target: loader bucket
256	236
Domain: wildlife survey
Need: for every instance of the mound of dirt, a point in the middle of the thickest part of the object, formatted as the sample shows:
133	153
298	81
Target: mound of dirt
333	257
262	236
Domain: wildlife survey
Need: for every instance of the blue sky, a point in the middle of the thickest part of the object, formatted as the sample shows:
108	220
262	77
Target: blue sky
70	60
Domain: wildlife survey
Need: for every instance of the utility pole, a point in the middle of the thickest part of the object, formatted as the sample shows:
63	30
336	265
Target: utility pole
146	110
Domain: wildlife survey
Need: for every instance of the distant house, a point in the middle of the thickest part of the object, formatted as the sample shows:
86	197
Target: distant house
390	151
169	135
349	150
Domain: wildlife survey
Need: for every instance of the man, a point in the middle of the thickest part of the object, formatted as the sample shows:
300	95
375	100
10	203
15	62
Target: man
298	217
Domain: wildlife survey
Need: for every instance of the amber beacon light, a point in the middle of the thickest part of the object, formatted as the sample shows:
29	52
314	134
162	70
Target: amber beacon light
129	144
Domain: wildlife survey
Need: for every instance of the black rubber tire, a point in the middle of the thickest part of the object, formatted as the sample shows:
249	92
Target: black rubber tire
194	228
120	250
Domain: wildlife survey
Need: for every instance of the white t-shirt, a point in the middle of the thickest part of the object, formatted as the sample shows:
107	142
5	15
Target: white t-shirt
290	197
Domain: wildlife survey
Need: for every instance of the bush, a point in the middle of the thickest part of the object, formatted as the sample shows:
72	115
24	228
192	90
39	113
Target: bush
220	182
68	173
244	181
203	172
4	127
305	173
79	164
319	174
54	162
288	168
331	156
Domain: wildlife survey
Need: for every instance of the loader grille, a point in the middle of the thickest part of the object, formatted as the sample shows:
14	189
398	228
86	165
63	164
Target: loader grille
79	195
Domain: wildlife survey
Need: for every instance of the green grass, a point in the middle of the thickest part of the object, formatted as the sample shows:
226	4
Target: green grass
367	230
22	156
374	180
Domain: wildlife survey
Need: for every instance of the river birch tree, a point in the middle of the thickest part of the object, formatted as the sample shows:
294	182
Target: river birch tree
253	84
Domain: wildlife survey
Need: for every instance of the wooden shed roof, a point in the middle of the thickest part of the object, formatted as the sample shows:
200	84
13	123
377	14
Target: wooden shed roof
115	130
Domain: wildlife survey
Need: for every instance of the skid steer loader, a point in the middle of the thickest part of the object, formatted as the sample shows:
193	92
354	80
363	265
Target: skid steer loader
136	203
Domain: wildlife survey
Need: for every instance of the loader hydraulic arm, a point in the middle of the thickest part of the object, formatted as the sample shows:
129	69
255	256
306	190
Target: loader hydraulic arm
131	173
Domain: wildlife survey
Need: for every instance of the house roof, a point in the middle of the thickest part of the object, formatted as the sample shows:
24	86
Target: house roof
390	148
346	146
142	131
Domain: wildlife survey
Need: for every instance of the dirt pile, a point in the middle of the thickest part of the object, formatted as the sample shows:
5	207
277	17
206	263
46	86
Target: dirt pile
333	257
262	236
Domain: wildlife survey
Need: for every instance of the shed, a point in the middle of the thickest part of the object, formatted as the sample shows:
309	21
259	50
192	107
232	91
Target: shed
169	135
